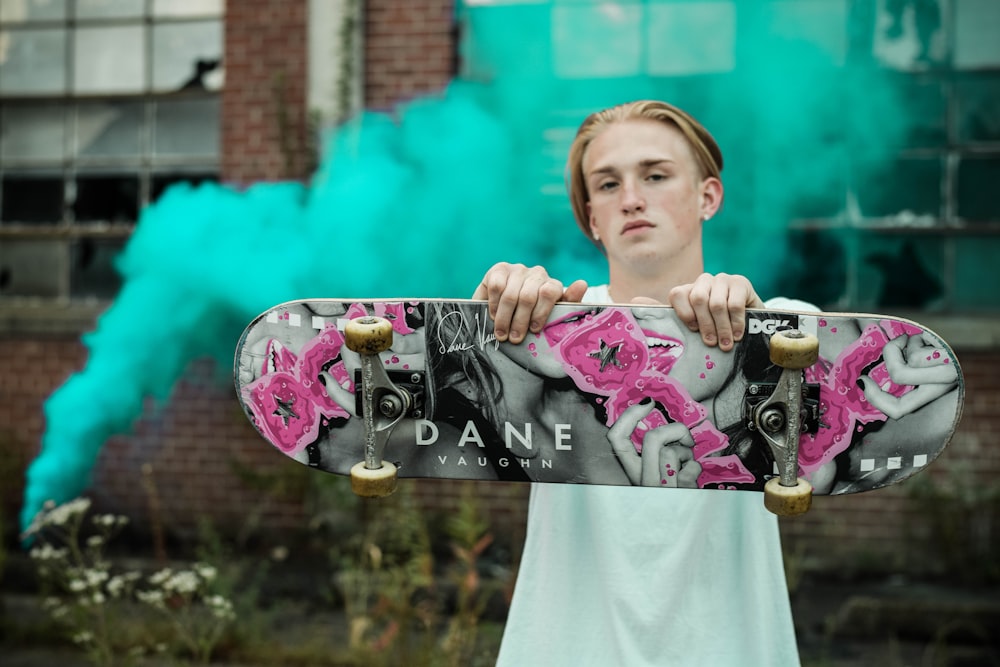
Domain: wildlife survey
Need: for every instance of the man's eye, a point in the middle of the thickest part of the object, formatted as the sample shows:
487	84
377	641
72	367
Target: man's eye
657	177
607	185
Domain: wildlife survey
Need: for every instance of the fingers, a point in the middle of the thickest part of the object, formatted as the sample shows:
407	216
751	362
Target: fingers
574	293
339	395
662	458
921	363
620	437
716	307
667	457
521	298
897	407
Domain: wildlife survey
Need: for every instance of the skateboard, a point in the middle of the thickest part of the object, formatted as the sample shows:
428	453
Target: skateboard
806	403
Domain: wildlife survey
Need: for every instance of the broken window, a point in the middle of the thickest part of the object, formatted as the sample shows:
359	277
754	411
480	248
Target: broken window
103	103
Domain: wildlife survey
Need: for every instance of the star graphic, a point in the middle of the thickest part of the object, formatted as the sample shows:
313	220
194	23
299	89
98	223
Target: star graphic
608	354
284	410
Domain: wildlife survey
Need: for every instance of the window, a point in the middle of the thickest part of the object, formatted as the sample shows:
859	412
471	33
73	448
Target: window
861	137
103	104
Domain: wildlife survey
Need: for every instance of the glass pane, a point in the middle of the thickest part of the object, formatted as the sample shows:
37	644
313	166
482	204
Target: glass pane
110	60
107	9
32	267
165	8
577	29
817	266
977	33
672	51
107	198
187	55
160	182
906	187
899	271
17	11
979	109
816	27
975	273
187	127
109	129
32	132
926	114
909	35
92	270
34	61
32	199
977	189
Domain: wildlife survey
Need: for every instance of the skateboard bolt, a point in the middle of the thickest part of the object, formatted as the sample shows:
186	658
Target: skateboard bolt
793	333
773	421
390	406
415	378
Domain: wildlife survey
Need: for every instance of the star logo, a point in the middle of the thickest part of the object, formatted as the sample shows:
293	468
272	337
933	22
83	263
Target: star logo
284	410
608	355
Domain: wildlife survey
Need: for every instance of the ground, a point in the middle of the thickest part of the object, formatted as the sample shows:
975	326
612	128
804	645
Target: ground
890	623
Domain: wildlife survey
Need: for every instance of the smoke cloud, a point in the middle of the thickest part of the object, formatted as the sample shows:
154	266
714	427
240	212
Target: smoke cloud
422	203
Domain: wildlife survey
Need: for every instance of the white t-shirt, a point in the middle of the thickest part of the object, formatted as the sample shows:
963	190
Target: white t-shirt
633	577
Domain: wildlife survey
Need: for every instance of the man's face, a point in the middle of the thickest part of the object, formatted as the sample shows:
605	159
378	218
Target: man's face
647	197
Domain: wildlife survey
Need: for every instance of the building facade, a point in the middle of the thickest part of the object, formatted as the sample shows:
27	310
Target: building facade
106	104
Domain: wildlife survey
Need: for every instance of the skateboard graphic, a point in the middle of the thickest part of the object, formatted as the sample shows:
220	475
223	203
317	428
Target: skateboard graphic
825	403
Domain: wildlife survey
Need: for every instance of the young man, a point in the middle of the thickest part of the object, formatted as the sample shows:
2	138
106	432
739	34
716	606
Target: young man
625	576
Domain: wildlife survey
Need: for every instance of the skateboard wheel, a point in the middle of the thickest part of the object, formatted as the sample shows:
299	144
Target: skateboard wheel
368	334
377	483
787	500
794	349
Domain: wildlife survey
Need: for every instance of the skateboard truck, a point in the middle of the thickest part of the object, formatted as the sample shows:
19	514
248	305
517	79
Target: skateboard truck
780	418
383	405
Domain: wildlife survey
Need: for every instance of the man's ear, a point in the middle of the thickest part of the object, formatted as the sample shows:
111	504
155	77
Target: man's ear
593	225
711	197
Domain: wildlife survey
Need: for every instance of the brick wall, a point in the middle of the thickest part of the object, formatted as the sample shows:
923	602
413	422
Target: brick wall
205	459
409	49
265	134
891	529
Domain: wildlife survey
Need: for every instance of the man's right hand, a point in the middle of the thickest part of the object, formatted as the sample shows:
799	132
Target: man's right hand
521	298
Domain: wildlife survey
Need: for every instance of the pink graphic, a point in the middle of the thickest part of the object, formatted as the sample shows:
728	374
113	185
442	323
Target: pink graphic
610	355
844	409
288	401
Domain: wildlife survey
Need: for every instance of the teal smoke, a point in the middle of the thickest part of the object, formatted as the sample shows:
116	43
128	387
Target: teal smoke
421	203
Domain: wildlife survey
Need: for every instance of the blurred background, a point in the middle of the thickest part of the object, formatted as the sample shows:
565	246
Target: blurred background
171	168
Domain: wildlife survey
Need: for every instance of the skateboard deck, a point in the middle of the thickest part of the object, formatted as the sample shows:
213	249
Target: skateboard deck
611	395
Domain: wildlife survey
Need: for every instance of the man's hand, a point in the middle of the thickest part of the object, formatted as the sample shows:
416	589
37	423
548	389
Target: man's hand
521	298
716	306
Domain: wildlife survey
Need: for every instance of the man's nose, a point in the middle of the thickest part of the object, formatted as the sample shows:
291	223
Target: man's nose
632	200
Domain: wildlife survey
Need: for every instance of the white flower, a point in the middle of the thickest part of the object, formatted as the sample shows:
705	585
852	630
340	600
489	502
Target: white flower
116	586
98	598
77	585
60	515
182	582
95	577
154	598
161	576
83	637
47	552
95	541
220	606
206	572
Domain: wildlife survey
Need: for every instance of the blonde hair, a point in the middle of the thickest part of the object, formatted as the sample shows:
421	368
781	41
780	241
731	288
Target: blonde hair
706	151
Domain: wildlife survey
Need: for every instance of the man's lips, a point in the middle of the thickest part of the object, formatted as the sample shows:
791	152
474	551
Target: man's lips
636	224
